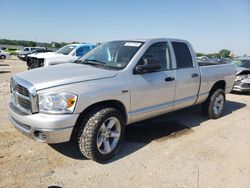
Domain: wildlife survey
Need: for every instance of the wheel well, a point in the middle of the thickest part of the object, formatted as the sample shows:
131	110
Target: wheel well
218	85
109	103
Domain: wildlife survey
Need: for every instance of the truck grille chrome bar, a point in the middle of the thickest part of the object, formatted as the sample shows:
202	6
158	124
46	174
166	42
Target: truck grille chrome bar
22	97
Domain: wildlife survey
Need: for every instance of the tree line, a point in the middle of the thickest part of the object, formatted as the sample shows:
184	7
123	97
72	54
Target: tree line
33	43
224	53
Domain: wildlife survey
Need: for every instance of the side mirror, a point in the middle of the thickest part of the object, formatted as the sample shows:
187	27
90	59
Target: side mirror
149	65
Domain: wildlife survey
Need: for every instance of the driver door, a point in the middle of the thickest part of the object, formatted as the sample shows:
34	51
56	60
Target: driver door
152	93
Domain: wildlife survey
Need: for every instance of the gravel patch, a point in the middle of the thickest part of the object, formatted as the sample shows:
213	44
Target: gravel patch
4	89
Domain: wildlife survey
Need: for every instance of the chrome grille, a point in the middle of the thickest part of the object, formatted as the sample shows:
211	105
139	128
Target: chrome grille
24	102
34	62
22	90
21	97
246	85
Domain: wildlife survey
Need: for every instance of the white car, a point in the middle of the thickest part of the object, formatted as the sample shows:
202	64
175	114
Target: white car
66	54
4	55
23	52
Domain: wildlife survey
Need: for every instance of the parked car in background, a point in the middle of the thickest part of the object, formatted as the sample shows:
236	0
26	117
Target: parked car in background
212	60
23	52
242	80
114	85
4	55
36	51
203	58
66	54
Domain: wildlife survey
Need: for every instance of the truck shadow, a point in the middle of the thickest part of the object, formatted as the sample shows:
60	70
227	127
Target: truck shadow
4	65
158	129
3	72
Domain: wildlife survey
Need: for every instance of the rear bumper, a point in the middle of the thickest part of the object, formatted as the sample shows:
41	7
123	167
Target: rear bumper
44	127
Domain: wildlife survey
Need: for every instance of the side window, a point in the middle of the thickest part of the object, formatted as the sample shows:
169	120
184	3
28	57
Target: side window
82	50
182	55
26	49
159	52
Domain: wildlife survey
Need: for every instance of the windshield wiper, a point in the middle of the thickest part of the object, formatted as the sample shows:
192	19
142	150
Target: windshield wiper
97	61
94	62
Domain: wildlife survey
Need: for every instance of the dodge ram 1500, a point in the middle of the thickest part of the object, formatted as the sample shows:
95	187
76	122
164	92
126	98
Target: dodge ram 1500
114	85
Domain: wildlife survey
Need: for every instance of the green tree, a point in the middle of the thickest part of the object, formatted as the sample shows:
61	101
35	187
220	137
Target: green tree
55	45
31	43
224	53
199	54
216	55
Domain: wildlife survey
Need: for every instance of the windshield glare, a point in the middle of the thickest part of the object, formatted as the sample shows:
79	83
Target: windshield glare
66	49
242	63
115	54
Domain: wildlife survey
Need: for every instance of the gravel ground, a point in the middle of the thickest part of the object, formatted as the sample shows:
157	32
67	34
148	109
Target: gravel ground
181	149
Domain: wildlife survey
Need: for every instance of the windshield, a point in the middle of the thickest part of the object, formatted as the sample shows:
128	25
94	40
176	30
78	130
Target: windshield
241	63
115	54
66	49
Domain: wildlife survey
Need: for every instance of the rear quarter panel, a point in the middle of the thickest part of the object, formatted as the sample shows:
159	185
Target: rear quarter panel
212	74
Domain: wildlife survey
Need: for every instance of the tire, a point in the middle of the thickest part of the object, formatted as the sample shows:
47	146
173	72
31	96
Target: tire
214	105
2	57
94	138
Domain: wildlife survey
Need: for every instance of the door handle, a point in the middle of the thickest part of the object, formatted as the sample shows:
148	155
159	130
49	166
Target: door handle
195	75
169	79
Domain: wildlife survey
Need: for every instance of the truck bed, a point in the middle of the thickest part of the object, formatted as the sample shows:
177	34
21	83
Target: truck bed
220	71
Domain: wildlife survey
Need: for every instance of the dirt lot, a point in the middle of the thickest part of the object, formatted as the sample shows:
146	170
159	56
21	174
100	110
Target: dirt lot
182	149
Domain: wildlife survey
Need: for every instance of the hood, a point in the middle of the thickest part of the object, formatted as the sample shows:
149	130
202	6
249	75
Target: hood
49	55
69	73
242	71
24	52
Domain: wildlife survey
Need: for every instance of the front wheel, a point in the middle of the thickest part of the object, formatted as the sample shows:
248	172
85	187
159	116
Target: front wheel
214	105
100	134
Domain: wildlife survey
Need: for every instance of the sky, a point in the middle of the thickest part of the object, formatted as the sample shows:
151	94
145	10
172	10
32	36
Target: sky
210	25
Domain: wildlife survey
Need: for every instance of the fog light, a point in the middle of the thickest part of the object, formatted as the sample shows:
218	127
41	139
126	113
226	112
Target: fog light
40	136
237	82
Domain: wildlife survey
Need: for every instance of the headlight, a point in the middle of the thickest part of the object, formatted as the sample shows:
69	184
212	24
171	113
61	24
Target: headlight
57	103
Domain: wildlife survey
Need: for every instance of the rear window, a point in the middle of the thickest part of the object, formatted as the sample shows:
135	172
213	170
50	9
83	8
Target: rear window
182	55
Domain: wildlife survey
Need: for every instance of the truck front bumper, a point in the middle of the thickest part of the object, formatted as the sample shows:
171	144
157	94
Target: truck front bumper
44	127
242	87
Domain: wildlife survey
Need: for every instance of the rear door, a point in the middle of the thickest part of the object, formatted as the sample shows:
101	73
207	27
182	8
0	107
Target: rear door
187	75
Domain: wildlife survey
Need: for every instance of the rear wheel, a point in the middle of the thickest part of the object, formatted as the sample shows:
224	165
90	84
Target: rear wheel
2	57
100	134
214	105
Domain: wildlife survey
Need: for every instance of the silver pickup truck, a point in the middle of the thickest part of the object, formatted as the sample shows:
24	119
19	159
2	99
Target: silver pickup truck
116	84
